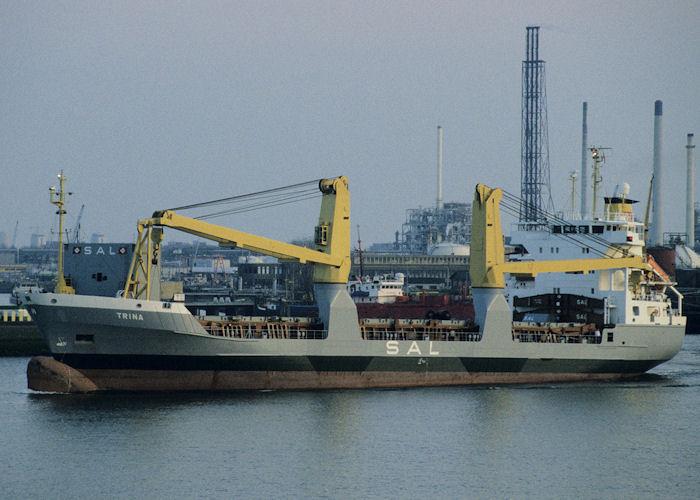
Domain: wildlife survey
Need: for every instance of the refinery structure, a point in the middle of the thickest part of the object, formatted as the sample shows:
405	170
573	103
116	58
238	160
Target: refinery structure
443	229
428	230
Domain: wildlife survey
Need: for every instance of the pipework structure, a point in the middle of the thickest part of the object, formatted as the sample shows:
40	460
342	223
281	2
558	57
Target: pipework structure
427	227
535	190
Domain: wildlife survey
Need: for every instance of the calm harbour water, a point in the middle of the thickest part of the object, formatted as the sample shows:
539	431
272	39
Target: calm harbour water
632	439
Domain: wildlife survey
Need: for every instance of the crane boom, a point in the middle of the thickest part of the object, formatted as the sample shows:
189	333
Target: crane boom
331	256
487	261
232	238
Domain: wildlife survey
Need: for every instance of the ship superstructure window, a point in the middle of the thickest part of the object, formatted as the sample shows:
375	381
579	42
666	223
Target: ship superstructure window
610	336
635	310
618	280
556	229
597	229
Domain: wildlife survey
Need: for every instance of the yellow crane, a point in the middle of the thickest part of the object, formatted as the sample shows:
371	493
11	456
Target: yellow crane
330	257
487	264
487	261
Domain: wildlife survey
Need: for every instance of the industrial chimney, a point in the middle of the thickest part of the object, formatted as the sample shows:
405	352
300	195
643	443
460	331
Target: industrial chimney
439	172
584	162
690	183
657	236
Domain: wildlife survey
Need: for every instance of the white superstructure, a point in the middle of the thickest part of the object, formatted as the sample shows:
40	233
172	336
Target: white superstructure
619	296
382	289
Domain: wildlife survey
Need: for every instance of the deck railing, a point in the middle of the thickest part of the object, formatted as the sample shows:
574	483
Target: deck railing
271	330
445	336
555	338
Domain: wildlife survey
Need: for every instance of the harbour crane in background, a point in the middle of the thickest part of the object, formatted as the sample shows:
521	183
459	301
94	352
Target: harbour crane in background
359	252
76	233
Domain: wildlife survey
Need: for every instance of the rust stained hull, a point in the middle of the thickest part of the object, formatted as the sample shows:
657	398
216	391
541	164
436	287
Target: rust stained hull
47	374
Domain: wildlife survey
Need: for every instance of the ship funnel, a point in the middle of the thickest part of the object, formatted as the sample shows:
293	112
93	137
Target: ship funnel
656	232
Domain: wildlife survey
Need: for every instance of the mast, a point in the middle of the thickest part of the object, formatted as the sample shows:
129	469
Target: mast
598	159
573	176
59	199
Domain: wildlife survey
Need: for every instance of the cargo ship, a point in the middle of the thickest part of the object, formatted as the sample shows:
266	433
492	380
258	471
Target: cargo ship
135	343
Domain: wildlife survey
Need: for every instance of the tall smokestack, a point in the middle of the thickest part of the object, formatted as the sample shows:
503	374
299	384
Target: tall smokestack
657	235
690	183
439	172
584	162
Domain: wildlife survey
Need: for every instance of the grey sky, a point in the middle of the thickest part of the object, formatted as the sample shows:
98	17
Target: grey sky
148	105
